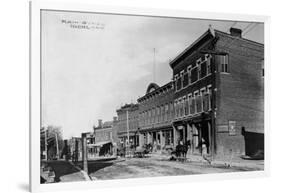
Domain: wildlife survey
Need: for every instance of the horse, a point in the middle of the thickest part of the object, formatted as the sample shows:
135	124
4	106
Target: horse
181	149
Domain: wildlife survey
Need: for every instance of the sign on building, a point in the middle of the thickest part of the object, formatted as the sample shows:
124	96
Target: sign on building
232	127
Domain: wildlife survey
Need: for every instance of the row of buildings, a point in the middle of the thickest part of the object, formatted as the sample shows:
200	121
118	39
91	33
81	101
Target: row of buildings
216	95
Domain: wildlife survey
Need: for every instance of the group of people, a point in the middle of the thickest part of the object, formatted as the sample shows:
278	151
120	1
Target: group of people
182	149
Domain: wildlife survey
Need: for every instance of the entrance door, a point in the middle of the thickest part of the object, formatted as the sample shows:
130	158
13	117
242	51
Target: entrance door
196	139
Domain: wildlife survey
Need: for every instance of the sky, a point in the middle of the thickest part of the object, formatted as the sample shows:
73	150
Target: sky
94	63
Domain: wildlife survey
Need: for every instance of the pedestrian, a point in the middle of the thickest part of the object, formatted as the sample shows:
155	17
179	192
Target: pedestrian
205	150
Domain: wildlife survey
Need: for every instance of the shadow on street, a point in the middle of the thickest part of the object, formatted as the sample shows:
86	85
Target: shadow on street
94	166
62	168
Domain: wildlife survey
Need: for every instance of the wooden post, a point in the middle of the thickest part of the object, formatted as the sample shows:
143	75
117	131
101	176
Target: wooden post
210	137
57	145
46	145
84	152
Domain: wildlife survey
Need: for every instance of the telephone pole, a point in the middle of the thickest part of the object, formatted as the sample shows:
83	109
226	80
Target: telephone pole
57	144
46	145
128	135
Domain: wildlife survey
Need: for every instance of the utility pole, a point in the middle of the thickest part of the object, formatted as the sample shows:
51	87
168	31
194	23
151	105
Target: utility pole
57	144
84	152
128	134
46	146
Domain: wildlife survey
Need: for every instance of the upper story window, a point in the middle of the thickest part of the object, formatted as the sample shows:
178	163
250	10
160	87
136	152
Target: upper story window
224	63
203	91
198	64
208	63
178	82
189	74
262	68
181	78
194	74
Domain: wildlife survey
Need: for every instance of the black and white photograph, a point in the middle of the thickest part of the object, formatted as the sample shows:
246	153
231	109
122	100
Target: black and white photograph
132	96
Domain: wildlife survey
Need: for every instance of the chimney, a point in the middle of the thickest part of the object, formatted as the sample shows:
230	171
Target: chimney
100	123
236	32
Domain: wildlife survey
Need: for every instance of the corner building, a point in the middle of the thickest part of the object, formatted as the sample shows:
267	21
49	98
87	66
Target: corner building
219	94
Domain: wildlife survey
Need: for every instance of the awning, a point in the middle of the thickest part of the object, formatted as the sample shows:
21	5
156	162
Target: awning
99	144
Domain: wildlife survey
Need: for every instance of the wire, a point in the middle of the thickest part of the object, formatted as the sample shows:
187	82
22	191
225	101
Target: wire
245	32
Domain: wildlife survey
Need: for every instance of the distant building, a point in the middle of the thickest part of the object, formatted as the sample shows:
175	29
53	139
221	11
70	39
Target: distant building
105	137
128	123
219	94
103	132
75	144
156	113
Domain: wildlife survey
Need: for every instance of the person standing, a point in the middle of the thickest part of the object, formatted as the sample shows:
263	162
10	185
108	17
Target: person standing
205	151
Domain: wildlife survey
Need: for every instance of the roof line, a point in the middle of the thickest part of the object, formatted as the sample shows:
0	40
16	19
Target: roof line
241	38
189	47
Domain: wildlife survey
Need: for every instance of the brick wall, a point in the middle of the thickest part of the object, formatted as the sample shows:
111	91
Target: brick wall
240	93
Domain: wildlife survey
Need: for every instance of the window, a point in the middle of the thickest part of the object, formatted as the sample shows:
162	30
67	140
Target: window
208	63
224	63
180	107
149	116
209	91
162	113
181	78
194	74
158	114
176	108
166	111
171	110
262	68
153	115
191	104
185	104
196	94
203	91
178	83
198	64
189	74
203	95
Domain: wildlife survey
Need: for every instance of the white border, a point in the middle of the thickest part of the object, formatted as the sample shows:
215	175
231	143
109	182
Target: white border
35	185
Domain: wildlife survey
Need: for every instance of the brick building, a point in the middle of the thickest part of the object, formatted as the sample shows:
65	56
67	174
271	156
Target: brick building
103	132
128	123
105	137
219	94
156	112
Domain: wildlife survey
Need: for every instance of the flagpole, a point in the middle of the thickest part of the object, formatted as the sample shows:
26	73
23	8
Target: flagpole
154	65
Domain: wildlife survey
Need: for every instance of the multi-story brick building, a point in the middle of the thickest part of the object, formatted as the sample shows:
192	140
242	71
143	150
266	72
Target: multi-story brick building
156	113
105	137
103	132
219	94
128	123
